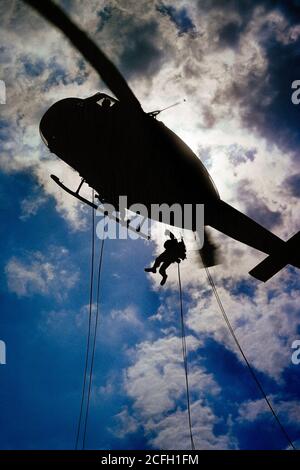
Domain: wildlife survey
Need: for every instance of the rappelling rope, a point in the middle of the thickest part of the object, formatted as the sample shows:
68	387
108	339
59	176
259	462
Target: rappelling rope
83	416
185	361
94	341
89	325
251	370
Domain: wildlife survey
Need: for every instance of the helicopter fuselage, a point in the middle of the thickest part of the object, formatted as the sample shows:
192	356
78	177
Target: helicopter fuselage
123	153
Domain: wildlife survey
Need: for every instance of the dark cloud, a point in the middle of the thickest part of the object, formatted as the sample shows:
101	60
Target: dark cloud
238	154
230	31
209	119
278	118
290	8
240	6
104	16
265	216
33	68
5	130
293	184
235	153
229	34
59	75
179	17
245	8
141	55
255	207
243	287
83	72
265	101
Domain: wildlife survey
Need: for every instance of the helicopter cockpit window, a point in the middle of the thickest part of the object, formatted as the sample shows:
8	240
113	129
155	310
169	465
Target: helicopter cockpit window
105	103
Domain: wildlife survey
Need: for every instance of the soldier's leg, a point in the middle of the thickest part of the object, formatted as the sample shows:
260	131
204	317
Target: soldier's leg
163	273
157	263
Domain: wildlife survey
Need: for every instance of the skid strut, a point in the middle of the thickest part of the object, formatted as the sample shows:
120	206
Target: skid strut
76	194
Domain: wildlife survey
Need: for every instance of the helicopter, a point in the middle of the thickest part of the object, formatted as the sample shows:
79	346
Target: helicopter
118	149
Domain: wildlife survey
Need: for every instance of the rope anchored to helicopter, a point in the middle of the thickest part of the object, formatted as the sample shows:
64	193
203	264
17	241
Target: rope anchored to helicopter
82	424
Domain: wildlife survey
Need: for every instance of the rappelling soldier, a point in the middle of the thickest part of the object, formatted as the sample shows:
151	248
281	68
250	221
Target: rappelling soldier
175	251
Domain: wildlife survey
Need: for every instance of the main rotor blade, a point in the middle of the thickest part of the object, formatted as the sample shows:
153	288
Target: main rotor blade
91	52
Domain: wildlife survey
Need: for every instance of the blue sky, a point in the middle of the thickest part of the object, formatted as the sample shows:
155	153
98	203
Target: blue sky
235	66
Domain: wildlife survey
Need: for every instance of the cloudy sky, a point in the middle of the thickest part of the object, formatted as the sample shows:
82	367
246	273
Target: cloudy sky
234	62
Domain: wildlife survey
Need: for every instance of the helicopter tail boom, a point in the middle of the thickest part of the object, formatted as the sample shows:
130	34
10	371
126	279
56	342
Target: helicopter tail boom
274	263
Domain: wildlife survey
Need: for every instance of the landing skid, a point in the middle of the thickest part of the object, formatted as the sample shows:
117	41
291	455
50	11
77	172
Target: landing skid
76	194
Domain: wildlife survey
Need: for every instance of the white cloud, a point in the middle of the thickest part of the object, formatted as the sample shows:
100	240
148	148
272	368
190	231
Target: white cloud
24	280
156	379
44	274
172	432
125	424
31	205
107	390
156	384
127	315
288	411
264	326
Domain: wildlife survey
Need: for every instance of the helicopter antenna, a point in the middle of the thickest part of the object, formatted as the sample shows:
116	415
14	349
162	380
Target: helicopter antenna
158	111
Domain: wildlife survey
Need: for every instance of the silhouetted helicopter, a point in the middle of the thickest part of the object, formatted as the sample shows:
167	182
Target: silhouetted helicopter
118	149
